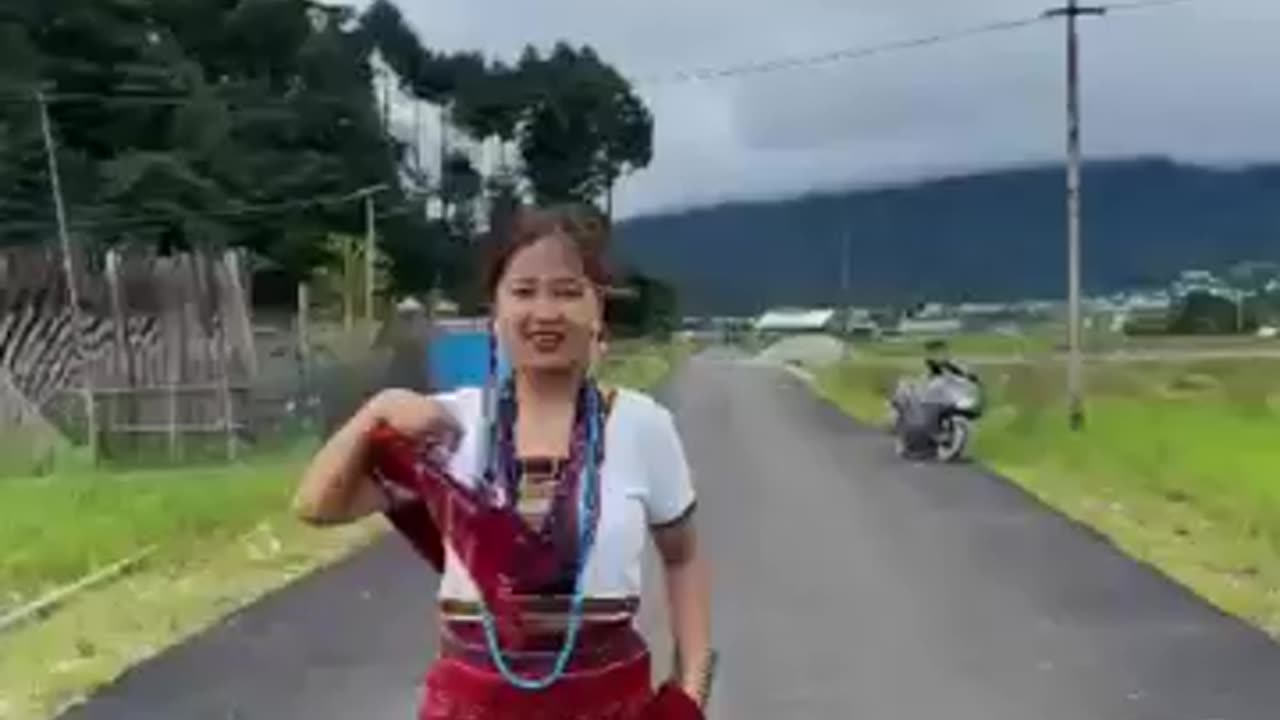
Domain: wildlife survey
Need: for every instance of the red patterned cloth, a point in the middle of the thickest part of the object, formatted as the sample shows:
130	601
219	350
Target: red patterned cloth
499	550
496	546
414	522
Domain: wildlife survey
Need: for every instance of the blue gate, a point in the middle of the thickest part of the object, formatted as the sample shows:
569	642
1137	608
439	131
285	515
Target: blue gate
459	356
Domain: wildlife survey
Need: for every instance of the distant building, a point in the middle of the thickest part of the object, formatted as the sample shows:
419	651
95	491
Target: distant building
983	309
1041	309
786	321
1142	312
983	316
930	311
860	323
930	327
1200	281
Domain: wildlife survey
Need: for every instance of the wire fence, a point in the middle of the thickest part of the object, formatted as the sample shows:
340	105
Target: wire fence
29	443
168	364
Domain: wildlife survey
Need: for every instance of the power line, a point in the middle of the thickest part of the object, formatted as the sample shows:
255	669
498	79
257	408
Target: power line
843	55
840	55
165	218
1144	5
849	54
19	95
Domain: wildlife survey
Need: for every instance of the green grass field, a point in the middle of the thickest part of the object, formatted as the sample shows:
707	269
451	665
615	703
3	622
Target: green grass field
1039	341
59	528
642	365
224	537
1179	464
974	344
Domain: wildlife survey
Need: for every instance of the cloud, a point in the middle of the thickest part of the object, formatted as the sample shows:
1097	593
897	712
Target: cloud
1191	81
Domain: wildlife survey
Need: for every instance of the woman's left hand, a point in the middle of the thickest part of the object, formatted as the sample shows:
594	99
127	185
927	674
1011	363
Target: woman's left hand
674	703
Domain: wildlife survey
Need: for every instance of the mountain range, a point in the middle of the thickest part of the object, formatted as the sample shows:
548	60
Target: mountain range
997	235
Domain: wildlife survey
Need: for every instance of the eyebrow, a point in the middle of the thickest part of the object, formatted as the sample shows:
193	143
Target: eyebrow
556	280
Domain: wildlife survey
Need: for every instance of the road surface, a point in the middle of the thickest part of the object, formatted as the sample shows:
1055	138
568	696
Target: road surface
848	585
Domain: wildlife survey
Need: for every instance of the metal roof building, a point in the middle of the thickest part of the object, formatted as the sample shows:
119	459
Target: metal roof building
796	320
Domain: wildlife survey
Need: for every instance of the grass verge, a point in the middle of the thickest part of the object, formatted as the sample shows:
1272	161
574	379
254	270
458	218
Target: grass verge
643	365
224	538
1179	466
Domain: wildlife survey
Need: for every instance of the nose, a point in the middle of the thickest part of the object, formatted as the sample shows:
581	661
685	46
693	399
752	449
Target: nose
546	309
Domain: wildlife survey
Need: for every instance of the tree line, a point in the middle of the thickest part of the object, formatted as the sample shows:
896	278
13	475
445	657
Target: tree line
251	123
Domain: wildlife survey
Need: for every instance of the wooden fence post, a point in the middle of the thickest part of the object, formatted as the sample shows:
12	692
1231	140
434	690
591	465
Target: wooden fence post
302	329
224	296
178	344
120	325
238	309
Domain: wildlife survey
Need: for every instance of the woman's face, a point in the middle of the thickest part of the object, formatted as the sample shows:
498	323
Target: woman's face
546	309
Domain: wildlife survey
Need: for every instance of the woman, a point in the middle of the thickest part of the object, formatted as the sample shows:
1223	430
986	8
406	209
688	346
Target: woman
539	510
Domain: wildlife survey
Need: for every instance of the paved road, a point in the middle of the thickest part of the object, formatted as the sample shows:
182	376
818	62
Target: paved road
849	585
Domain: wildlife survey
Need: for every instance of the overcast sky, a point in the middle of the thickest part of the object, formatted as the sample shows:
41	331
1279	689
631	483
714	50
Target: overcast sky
1196	81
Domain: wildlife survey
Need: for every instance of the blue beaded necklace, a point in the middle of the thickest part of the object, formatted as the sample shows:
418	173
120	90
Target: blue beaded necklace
588	500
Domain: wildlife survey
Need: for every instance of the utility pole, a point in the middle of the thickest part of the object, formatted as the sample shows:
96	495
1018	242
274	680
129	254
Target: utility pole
68	268
845	258
1075	363
845	312
1241	297
441	168
349	258
417	136
370	255
370	261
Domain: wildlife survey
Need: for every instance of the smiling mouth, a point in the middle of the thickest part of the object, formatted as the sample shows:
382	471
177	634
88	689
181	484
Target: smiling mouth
546	342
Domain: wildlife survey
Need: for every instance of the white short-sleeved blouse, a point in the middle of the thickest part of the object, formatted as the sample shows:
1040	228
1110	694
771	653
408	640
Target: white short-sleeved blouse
645	482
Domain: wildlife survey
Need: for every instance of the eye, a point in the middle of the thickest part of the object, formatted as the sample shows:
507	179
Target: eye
523	292
570	291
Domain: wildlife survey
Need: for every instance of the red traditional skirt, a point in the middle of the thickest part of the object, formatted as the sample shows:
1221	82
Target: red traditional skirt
608	679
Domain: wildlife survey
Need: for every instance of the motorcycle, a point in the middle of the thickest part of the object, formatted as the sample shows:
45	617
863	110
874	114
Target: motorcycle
933	417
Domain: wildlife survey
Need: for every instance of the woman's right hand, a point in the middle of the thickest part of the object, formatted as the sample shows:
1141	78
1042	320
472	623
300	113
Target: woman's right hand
416	416
336	487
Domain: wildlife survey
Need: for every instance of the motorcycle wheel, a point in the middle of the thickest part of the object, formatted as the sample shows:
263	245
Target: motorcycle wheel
891	417
954	439
899	445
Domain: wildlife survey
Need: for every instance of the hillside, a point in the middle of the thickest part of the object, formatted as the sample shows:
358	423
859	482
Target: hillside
996	235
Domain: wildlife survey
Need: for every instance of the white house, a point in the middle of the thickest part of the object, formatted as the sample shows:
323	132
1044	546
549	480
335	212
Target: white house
790	321
930	326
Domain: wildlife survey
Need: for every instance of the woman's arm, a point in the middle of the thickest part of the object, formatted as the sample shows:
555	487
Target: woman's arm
689	604
337	487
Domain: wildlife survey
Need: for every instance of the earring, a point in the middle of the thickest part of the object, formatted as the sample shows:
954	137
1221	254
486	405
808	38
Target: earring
597	348
499	363
493	351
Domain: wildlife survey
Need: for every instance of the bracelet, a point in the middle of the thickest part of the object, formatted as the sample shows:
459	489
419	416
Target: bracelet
703	692
708	678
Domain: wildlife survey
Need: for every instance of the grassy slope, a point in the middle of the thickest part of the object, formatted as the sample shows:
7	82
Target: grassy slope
224	537
1179	465
61	527
642	365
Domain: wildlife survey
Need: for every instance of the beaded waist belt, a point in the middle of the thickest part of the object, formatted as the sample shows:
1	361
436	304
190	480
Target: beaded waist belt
547	611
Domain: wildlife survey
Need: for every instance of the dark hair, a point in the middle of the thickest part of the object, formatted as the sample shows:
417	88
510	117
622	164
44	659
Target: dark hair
582	225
